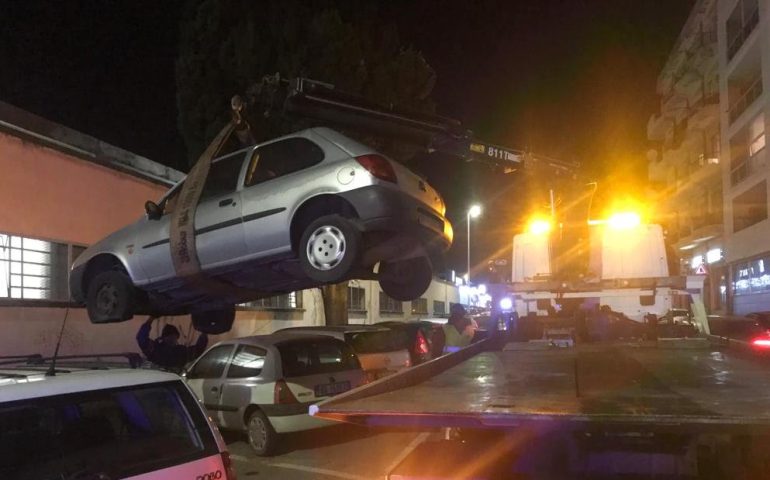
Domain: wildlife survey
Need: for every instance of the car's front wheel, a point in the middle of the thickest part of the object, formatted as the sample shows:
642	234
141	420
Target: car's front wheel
329	248
214	322
111	297
406	280
263	438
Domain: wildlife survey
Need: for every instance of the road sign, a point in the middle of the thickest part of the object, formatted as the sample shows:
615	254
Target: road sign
701	270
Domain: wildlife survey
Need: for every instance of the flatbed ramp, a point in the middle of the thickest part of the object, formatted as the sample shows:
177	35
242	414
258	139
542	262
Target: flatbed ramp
653	386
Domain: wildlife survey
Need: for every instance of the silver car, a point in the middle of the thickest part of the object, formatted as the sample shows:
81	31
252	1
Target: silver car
307	209
264	385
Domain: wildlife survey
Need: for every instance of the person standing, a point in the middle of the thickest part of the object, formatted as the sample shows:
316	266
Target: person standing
165	351
458	331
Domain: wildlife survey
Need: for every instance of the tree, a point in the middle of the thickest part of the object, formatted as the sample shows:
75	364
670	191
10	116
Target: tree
225	47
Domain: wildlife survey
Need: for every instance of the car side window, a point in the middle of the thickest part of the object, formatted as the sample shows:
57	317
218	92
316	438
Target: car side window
282	158
212	364
247	362
223	176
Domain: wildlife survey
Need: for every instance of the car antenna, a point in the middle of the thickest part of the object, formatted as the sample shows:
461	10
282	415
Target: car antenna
52	370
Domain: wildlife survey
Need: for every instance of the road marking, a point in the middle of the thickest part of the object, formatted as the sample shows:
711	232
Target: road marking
407	450
321	471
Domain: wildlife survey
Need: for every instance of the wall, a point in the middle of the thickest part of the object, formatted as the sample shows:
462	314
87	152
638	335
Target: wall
53	196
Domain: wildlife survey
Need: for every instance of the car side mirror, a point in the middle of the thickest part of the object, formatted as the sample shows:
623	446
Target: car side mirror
153	210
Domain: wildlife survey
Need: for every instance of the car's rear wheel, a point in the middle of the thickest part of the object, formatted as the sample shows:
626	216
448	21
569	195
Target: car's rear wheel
111	297
406	280
214	322
329	249
263	438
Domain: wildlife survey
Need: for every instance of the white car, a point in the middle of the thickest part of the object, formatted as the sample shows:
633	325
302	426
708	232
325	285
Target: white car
265	385
92	422
381	350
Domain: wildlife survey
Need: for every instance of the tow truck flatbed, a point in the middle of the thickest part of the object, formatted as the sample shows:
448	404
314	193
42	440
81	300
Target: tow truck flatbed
693	386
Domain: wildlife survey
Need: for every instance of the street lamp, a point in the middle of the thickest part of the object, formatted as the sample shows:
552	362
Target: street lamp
473	212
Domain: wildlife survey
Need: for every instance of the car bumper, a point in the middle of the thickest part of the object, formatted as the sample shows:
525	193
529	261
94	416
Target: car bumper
381	208
293	418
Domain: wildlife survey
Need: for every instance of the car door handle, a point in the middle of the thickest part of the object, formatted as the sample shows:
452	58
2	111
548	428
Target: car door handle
214	389
226	202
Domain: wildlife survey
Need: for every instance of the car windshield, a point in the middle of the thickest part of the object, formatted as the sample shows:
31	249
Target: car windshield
312	357
377	341
102	434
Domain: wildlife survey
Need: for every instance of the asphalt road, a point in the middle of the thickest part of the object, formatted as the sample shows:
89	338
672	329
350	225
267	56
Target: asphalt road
338	452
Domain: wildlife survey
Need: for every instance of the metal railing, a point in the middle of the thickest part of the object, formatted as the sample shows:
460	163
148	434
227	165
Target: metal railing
746	166
746	99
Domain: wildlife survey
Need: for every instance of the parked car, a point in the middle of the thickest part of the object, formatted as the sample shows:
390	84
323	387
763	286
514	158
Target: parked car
735	327
380	350
304	210
264	385
421	337
90	420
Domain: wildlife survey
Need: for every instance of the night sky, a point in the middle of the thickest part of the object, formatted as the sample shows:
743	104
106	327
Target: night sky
574	79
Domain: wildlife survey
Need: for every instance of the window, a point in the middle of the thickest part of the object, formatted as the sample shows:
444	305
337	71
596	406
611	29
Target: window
282	158
389	305
223	176
752	277
420	306
312	357
212	364
439	307
740	24
108	431
756	137
247	362
750	207
286	301
356	299
33	269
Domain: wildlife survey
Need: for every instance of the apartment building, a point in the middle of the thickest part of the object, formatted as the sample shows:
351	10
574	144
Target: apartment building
744	79
685	163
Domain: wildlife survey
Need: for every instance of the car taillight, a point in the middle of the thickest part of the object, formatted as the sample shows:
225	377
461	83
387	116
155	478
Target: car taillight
282	393
421	345
761	342
227	462
378	166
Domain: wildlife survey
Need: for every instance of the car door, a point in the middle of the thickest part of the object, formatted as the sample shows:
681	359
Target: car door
152	240
219	236
244	385
206	377
274	181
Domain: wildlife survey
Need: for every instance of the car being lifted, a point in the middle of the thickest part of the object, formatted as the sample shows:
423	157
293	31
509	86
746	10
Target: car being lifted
308	209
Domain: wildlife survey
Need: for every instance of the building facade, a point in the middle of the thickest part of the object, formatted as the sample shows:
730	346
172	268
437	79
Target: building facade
686	162
62	191
729	242
744	71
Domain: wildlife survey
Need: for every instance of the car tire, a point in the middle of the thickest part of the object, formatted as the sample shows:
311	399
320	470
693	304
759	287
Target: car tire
262	437
111	297
214	322
406	280
329	249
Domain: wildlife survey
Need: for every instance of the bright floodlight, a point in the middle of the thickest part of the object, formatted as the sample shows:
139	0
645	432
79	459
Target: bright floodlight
624	221
539	226
506	304
474	211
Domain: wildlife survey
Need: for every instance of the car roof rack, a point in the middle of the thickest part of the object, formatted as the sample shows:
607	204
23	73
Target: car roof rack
94	361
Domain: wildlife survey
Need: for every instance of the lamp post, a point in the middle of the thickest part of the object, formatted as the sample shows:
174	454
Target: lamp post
473	212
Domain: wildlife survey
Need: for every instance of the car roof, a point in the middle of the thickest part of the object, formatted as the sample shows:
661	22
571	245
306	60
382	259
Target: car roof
272	339
26	382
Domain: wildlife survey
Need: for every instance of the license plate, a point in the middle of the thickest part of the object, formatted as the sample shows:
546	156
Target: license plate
329	389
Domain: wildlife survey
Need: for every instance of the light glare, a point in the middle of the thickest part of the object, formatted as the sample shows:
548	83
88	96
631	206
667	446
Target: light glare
624	221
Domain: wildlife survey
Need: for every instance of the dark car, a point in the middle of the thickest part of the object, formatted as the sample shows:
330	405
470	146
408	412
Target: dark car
736	327
421	338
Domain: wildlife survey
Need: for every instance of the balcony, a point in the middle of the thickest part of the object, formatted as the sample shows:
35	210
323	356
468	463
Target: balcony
745	167
705	112
746	99
735	45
